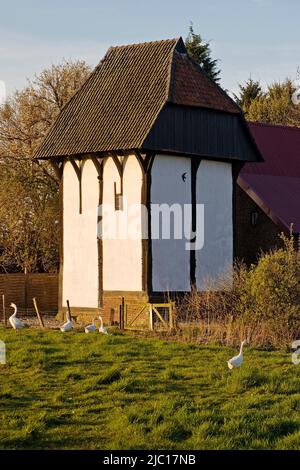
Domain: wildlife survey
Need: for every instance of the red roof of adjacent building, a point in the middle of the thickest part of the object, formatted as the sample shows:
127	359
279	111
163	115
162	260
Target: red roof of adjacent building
275	184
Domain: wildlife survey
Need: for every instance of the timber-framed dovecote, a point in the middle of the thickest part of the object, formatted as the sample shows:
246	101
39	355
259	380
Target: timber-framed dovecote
150	127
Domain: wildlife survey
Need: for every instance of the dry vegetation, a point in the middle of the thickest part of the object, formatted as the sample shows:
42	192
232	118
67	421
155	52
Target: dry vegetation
262	304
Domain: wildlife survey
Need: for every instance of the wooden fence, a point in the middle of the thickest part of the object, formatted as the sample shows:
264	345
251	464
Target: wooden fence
20	289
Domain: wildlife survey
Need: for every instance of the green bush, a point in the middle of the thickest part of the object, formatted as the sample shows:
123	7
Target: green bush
271	295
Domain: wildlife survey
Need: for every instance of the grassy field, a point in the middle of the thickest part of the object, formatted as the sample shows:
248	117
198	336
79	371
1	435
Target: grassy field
78	391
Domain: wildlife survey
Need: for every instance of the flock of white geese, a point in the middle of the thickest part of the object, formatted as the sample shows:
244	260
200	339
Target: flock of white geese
17	324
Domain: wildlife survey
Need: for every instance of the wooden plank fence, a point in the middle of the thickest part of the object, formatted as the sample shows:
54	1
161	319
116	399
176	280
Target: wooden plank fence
21	288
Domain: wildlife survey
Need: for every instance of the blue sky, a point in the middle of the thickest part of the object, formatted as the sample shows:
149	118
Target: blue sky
257	37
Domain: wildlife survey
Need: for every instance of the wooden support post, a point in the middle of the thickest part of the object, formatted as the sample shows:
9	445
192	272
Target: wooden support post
171	315
122	317
4	310
78	171
68	311
126	316
151	317
40	319
26	291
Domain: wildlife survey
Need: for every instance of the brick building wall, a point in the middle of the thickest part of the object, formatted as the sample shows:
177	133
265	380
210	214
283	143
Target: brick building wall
251	238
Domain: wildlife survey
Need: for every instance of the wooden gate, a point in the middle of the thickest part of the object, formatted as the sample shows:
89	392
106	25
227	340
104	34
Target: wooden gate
156	316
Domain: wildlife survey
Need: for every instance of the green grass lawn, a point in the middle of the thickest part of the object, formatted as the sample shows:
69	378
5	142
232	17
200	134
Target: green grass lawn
78	391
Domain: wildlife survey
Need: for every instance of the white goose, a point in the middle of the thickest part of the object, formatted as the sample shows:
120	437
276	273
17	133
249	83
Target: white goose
91	328
102	328
68	326
14	321
237	361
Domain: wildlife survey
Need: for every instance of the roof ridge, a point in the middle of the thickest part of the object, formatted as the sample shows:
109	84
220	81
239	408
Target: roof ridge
268	124
140	44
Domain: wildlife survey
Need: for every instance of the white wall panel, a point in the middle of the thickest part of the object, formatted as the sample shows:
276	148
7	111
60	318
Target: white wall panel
122	259
214	190
80	268
171	184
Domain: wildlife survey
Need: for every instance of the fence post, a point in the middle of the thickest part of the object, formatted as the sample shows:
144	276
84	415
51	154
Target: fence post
171	315
69	316
26	290
151	317
122	314
4	310
40	319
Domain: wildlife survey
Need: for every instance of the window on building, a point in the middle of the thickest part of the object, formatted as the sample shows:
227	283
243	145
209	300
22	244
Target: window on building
254	218
118	198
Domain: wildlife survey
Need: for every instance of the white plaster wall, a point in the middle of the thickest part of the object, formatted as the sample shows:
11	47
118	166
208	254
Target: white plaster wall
170	259
122	259
80	268
214	190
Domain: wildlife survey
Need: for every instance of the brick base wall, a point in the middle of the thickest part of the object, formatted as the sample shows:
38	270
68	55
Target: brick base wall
134	302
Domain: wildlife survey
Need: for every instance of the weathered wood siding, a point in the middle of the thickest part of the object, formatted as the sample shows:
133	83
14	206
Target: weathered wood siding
188	130
20	288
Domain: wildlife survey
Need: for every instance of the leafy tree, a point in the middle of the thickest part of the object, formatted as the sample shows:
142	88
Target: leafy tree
200	51
248	92
276	106
29	188
28	225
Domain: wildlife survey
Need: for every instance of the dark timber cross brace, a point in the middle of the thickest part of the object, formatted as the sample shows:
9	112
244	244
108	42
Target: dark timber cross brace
98	160
118	164
78	171
146	161
195	163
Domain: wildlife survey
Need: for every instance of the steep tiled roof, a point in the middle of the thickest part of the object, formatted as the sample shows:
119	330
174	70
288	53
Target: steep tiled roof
191	87
119	103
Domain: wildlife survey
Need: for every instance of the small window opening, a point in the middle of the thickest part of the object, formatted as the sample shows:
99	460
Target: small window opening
254	218
118	199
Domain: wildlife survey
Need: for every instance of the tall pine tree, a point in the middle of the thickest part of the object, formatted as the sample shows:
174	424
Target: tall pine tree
200	51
